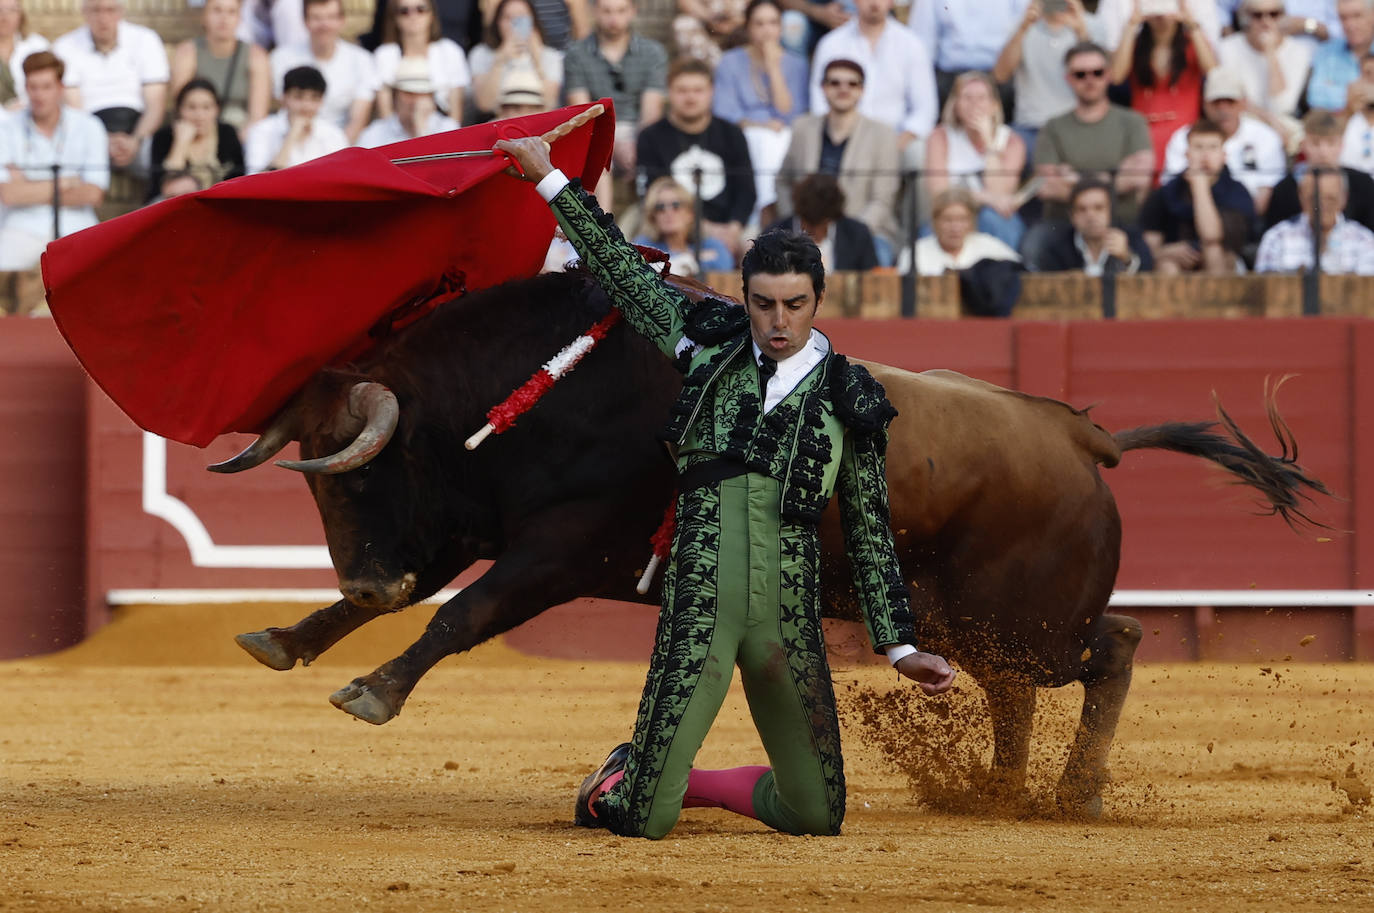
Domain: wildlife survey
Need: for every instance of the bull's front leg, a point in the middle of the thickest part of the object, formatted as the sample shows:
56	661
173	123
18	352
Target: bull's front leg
1106	677
282	648
1011	707
561	557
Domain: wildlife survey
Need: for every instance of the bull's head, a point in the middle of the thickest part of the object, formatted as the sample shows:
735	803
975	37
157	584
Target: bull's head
341	437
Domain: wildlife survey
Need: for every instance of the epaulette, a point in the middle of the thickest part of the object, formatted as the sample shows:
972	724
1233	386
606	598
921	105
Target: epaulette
860	401
712	321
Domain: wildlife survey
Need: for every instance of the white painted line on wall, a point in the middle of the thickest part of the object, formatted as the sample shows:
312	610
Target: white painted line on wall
204	551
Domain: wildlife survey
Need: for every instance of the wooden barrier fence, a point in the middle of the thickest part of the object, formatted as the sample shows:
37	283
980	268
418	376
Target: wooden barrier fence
877	295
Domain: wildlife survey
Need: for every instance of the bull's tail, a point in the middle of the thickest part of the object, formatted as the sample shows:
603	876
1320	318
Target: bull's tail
1286	487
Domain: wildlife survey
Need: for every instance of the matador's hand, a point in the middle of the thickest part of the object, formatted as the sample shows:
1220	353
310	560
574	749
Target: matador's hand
931	672
532	155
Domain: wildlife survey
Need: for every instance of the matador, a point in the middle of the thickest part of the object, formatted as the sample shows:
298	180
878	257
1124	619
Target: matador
770	422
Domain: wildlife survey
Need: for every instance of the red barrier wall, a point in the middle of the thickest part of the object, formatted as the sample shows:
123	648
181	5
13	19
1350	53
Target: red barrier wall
42	490
1184	528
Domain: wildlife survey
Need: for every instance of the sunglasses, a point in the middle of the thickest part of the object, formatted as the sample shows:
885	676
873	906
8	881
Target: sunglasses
667	205
1266	14
843	83
411	10
1084	74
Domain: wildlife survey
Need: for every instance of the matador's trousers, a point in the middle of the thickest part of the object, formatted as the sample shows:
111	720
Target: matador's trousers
742	589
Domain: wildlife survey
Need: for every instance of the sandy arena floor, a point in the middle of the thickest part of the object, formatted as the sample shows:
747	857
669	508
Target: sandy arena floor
157	768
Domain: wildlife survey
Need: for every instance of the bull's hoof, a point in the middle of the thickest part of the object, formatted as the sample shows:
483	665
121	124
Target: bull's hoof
356	699
266	649
1081	808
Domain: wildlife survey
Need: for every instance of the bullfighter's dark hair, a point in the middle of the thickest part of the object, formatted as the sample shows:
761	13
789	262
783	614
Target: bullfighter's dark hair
778	253
307	78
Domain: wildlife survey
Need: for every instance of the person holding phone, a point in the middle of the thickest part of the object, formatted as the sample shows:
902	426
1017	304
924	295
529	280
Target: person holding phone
514	44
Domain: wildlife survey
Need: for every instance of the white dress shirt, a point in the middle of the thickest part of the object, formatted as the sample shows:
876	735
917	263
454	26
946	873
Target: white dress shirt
114	79
899	79
265	138
349	76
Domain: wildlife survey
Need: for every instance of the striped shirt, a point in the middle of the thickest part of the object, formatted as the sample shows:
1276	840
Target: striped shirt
1287	248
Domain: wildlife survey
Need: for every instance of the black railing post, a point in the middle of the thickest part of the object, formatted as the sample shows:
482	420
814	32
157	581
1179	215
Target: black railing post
1311	279
911	226
56	200
696	221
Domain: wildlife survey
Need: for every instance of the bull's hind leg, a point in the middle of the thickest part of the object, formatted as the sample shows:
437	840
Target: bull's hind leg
1106	677
282	648
1011	706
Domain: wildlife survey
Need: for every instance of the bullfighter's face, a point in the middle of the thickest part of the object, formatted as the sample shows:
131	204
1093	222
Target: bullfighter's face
782	308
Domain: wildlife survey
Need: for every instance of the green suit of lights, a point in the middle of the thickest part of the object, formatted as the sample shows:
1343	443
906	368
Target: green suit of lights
742	587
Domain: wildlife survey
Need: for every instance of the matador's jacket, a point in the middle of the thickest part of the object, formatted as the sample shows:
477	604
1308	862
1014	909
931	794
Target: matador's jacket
742	585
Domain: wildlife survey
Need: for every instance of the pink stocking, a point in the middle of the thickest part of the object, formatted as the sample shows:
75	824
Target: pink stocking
731	789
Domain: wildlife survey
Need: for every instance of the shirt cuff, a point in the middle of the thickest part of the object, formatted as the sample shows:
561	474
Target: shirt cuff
552	184
897	652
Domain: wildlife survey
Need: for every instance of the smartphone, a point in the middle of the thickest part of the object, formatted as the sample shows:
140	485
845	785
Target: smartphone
1158	7
523	26
1054	6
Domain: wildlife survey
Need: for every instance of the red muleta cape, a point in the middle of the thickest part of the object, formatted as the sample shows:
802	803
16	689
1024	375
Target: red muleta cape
205	313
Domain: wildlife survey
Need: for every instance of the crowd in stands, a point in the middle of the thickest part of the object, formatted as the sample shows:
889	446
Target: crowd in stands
1099	136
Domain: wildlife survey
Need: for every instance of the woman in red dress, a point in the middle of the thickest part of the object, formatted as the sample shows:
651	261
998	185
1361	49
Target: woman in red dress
1163	57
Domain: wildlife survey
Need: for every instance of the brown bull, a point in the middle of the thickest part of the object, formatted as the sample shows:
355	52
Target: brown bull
1004	526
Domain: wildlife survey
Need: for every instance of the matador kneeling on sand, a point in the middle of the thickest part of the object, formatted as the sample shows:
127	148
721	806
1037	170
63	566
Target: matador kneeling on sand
770	422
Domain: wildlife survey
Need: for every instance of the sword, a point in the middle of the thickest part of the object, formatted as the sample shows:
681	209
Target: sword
556	133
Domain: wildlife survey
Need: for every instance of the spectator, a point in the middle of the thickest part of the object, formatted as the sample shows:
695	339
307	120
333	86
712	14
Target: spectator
1033	61
1202	219
964	36
973	148
239	71
1321	149
1096	138
514	43
522	92
805	22
628	68
904	98
411	32
703	27
761	88
197	141
16	43
1096	247
954	245
271	24
1254	151
347	69
117	71
670	226
414	112
1358	148
1116	13
47	134
861	152
298	132
690	140
845	243
1345	246
1272	66
1163	58
175	184
460	21
1336	63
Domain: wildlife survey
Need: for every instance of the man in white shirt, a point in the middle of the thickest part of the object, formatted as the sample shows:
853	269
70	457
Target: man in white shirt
347	68
117	71
1345	246
1272	65
412	96
298	132
1254	151
902	92
31	142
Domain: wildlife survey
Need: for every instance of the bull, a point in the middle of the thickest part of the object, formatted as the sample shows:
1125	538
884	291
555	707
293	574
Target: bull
1010	537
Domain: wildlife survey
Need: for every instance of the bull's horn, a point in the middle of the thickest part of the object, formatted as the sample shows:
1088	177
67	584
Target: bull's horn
380	412
284	429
